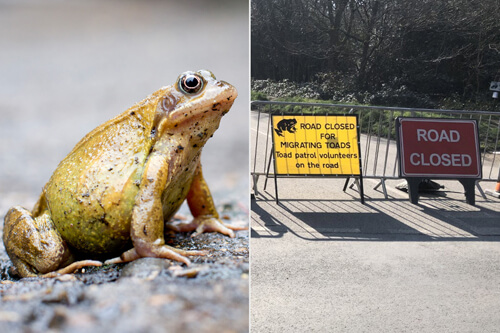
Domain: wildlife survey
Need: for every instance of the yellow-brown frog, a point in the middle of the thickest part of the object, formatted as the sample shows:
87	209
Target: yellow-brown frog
122	181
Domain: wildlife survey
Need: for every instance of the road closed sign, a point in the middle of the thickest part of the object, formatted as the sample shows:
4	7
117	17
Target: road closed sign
316	145
438	148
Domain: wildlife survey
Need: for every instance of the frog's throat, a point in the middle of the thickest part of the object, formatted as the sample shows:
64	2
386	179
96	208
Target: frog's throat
201	118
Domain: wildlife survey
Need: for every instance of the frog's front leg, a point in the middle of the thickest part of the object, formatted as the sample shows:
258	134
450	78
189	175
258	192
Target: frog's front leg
201	205
35	246
147	227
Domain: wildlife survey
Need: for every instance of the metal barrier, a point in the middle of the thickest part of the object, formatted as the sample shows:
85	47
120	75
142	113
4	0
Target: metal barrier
378	136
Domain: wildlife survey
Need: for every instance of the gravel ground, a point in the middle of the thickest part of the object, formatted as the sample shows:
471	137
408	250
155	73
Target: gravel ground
147	295
68	66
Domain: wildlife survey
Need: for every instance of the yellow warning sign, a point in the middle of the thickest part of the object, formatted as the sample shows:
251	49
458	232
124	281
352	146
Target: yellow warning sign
316	145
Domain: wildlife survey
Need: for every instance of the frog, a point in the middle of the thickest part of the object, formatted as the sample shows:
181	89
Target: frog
112	197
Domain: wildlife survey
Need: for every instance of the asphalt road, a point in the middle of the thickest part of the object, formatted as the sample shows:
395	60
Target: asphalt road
323	262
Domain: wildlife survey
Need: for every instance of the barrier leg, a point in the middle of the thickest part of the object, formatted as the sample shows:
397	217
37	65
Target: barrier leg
469	186
276	187
255	190
384	189
346	183
480	190
413	184
268	168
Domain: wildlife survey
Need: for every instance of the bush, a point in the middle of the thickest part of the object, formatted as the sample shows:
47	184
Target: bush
286	88
402	97
336	86
325	86
258	96
483	102
342	90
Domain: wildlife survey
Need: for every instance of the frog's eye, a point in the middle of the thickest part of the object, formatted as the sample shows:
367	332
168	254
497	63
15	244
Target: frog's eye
191	83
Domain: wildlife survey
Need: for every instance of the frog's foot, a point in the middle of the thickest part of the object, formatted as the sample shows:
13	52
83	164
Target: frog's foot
72	268
156	251
203	224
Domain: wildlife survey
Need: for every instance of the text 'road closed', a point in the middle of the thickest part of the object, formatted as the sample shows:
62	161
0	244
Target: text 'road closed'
438	148
316	145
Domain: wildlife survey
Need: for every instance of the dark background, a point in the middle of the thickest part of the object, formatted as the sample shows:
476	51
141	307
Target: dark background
399	53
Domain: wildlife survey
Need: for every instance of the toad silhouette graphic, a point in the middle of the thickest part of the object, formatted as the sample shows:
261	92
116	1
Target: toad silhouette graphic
286	125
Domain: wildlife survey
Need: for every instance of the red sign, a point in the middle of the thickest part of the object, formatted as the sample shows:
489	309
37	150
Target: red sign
439	148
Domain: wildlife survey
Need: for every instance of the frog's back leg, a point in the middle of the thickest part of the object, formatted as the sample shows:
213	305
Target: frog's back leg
33	244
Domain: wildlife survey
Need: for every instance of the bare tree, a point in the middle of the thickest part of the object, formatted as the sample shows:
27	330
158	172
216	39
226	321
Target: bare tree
432	47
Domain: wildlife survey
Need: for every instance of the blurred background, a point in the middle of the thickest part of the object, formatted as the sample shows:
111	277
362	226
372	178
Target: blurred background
68	66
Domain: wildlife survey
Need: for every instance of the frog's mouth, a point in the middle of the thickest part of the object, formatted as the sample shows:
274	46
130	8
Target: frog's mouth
226	100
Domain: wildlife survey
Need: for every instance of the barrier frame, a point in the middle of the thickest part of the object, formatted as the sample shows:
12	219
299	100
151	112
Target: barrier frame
376	163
